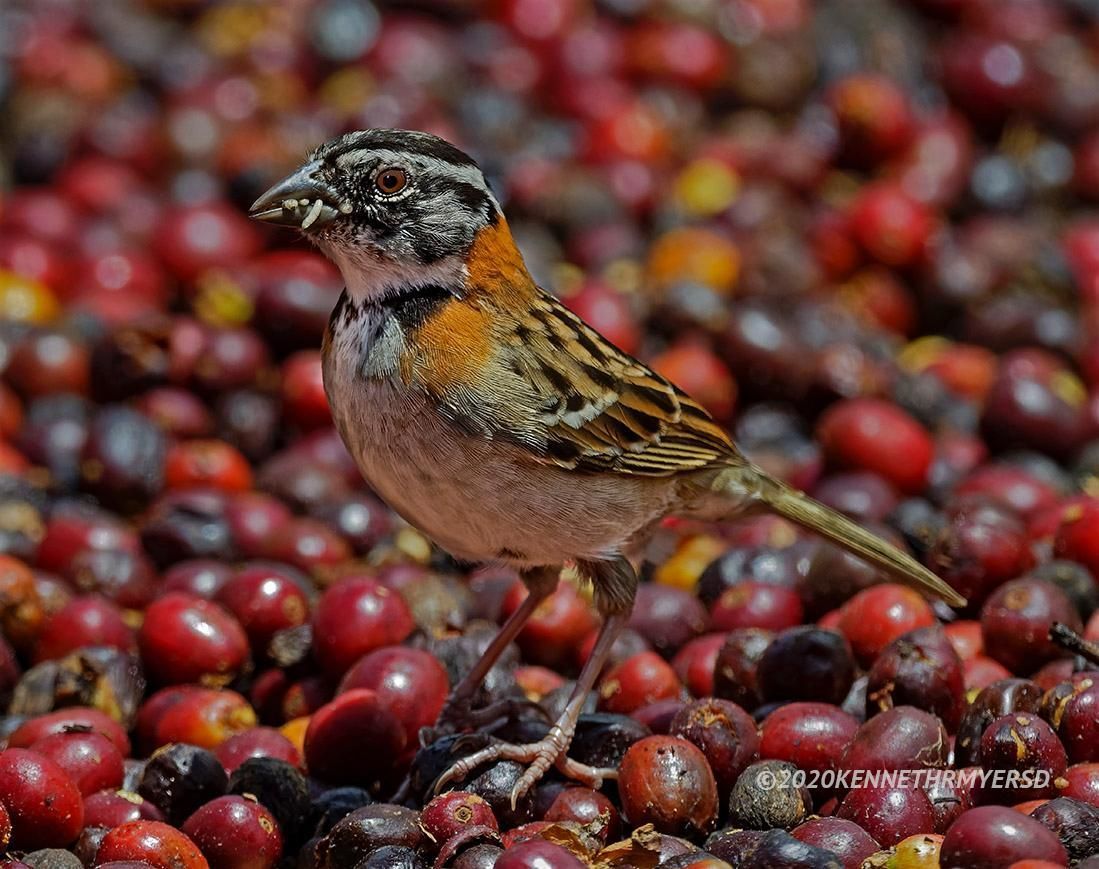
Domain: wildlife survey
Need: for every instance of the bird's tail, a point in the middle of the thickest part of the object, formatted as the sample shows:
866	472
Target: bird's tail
801	509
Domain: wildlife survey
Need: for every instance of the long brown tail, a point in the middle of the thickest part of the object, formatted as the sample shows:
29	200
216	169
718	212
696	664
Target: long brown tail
803	510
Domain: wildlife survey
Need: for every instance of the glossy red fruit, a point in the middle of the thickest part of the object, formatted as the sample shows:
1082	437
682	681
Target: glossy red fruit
188	639
336	730
1077	537
69	718
537	854
355	616
113	808
757	605
982	546
891	226
43	803
638	681
888	814
235	832
694	663
151	842
666	781
87	620
847	840
1081	782
265	600
873	115
875	435
257	742
204	717
451	813
878	615
210	464
410	683
989	837
192	238
1015	623
89	759
304	402
559	624
918	669
696	370
812	736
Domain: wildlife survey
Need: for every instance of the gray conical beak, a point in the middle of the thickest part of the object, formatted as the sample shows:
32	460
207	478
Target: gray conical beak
302	199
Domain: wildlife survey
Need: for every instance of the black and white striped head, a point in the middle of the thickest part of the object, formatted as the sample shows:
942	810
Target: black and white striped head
394	196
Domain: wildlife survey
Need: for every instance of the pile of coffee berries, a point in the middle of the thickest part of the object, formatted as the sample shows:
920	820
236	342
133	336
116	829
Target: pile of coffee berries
864	235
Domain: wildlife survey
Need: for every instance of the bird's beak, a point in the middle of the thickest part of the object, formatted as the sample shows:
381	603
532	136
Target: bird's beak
302	199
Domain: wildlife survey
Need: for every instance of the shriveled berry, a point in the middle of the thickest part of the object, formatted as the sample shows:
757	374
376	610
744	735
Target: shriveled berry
724	732
766	795
179	778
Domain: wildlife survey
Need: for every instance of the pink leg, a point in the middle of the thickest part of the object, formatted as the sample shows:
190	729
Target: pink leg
551	749
457	714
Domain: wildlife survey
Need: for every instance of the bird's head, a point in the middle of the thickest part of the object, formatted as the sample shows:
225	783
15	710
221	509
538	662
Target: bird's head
389	207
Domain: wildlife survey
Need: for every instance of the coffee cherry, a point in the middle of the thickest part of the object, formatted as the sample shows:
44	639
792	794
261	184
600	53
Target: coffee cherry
151	843
43	803
990	836
666	781
235	833
188	639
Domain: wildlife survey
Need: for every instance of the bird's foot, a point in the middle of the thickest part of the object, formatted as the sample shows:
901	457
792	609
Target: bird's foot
539	756
459	716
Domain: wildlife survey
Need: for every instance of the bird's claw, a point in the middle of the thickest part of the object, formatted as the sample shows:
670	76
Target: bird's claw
538	756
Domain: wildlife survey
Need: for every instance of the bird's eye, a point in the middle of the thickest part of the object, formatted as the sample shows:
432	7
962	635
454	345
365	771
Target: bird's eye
390	181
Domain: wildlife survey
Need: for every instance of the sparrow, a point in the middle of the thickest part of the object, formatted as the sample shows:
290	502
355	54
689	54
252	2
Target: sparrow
495	420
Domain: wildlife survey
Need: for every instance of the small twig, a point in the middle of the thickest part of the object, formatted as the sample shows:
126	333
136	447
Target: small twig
1068	639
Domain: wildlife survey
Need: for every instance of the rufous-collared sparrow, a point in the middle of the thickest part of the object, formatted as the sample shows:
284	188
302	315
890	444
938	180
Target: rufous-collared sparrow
495	420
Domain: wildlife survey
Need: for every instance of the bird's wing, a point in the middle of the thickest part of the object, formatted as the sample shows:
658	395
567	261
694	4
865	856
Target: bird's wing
573	399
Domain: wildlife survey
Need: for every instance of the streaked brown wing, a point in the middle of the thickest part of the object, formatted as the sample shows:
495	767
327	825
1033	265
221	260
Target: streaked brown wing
599	409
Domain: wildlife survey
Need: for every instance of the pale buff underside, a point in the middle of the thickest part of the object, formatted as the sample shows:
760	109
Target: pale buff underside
480	500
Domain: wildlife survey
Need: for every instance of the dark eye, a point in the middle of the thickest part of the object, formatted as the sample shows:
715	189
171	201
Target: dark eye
390	181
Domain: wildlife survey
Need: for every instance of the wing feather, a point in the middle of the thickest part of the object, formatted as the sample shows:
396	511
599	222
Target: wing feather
599	409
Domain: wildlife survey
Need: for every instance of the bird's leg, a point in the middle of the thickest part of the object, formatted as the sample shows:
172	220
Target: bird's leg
615	583
458	713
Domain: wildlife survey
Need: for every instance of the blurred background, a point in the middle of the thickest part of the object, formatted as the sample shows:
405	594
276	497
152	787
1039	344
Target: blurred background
779	203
